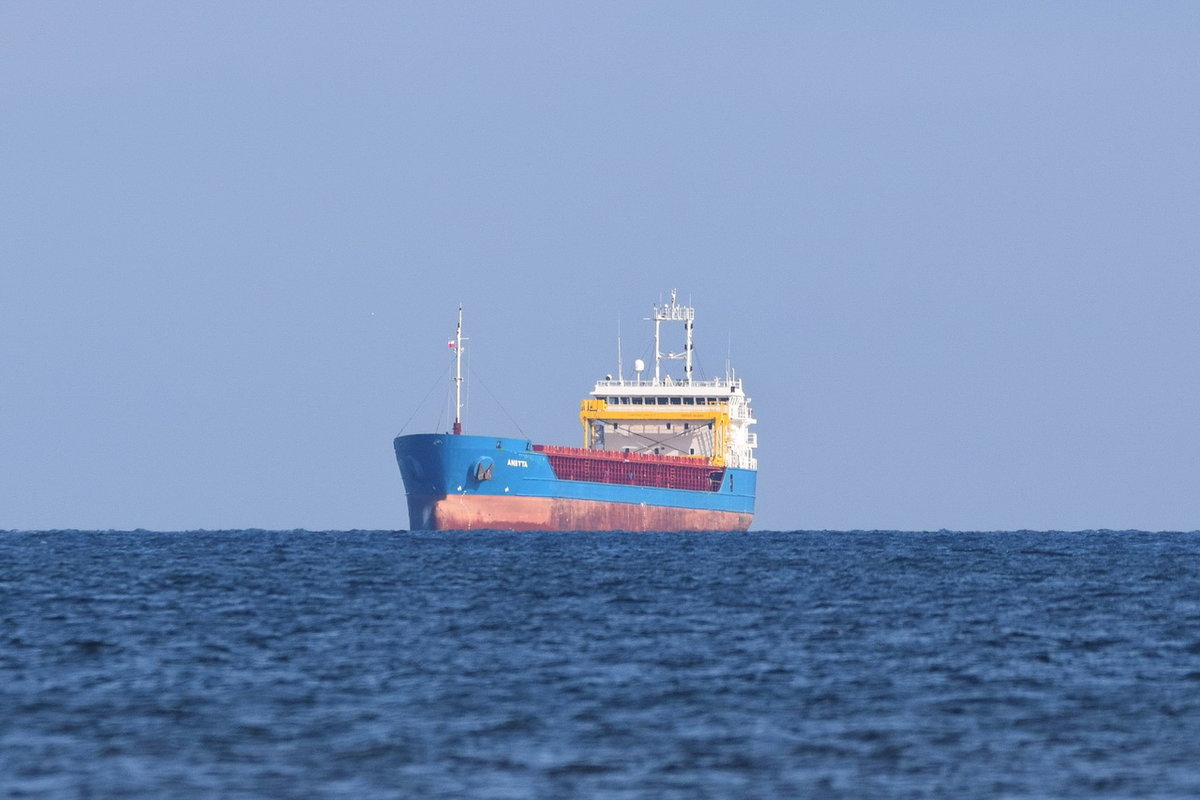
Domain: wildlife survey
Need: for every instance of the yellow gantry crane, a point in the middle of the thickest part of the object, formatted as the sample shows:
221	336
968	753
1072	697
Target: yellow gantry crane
595	410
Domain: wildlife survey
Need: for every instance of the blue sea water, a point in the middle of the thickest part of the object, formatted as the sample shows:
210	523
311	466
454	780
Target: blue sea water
248	664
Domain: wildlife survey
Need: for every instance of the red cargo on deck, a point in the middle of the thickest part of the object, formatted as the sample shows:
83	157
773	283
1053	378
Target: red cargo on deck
633	469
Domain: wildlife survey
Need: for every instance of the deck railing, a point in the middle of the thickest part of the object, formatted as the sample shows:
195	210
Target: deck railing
694	473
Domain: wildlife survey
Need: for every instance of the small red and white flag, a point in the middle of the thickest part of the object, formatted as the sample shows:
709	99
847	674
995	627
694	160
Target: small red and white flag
450	344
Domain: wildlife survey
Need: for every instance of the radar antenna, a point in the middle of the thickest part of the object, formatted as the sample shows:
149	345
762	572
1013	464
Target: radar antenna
673	312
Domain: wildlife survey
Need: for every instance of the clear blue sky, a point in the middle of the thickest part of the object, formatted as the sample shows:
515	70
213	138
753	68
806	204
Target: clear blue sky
951	247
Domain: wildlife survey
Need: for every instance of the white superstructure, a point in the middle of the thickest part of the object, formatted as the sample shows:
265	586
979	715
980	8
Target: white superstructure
707	419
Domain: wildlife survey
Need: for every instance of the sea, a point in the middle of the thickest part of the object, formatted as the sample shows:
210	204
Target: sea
800	664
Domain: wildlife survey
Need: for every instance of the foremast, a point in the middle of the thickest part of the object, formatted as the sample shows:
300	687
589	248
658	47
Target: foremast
456	344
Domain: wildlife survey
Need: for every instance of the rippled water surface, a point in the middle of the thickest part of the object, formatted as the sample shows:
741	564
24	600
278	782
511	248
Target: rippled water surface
503	665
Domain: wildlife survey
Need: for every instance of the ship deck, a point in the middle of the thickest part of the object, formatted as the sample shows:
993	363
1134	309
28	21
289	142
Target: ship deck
694	473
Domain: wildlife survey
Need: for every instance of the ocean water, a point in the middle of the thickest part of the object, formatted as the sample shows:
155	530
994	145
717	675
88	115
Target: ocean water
247	664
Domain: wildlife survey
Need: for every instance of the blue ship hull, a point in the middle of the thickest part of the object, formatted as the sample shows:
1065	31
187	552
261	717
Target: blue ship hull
456	482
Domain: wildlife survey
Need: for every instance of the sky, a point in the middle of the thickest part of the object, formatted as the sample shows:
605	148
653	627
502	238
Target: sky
951	249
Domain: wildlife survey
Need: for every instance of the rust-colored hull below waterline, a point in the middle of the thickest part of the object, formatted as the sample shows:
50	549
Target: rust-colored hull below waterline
492	512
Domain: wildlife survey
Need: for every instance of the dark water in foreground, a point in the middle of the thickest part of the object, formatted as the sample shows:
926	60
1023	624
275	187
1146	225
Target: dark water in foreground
499	665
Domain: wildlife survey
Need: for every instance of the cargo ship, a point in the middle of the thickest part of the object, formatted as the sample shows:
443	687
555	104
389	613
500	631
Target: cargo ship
659	453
